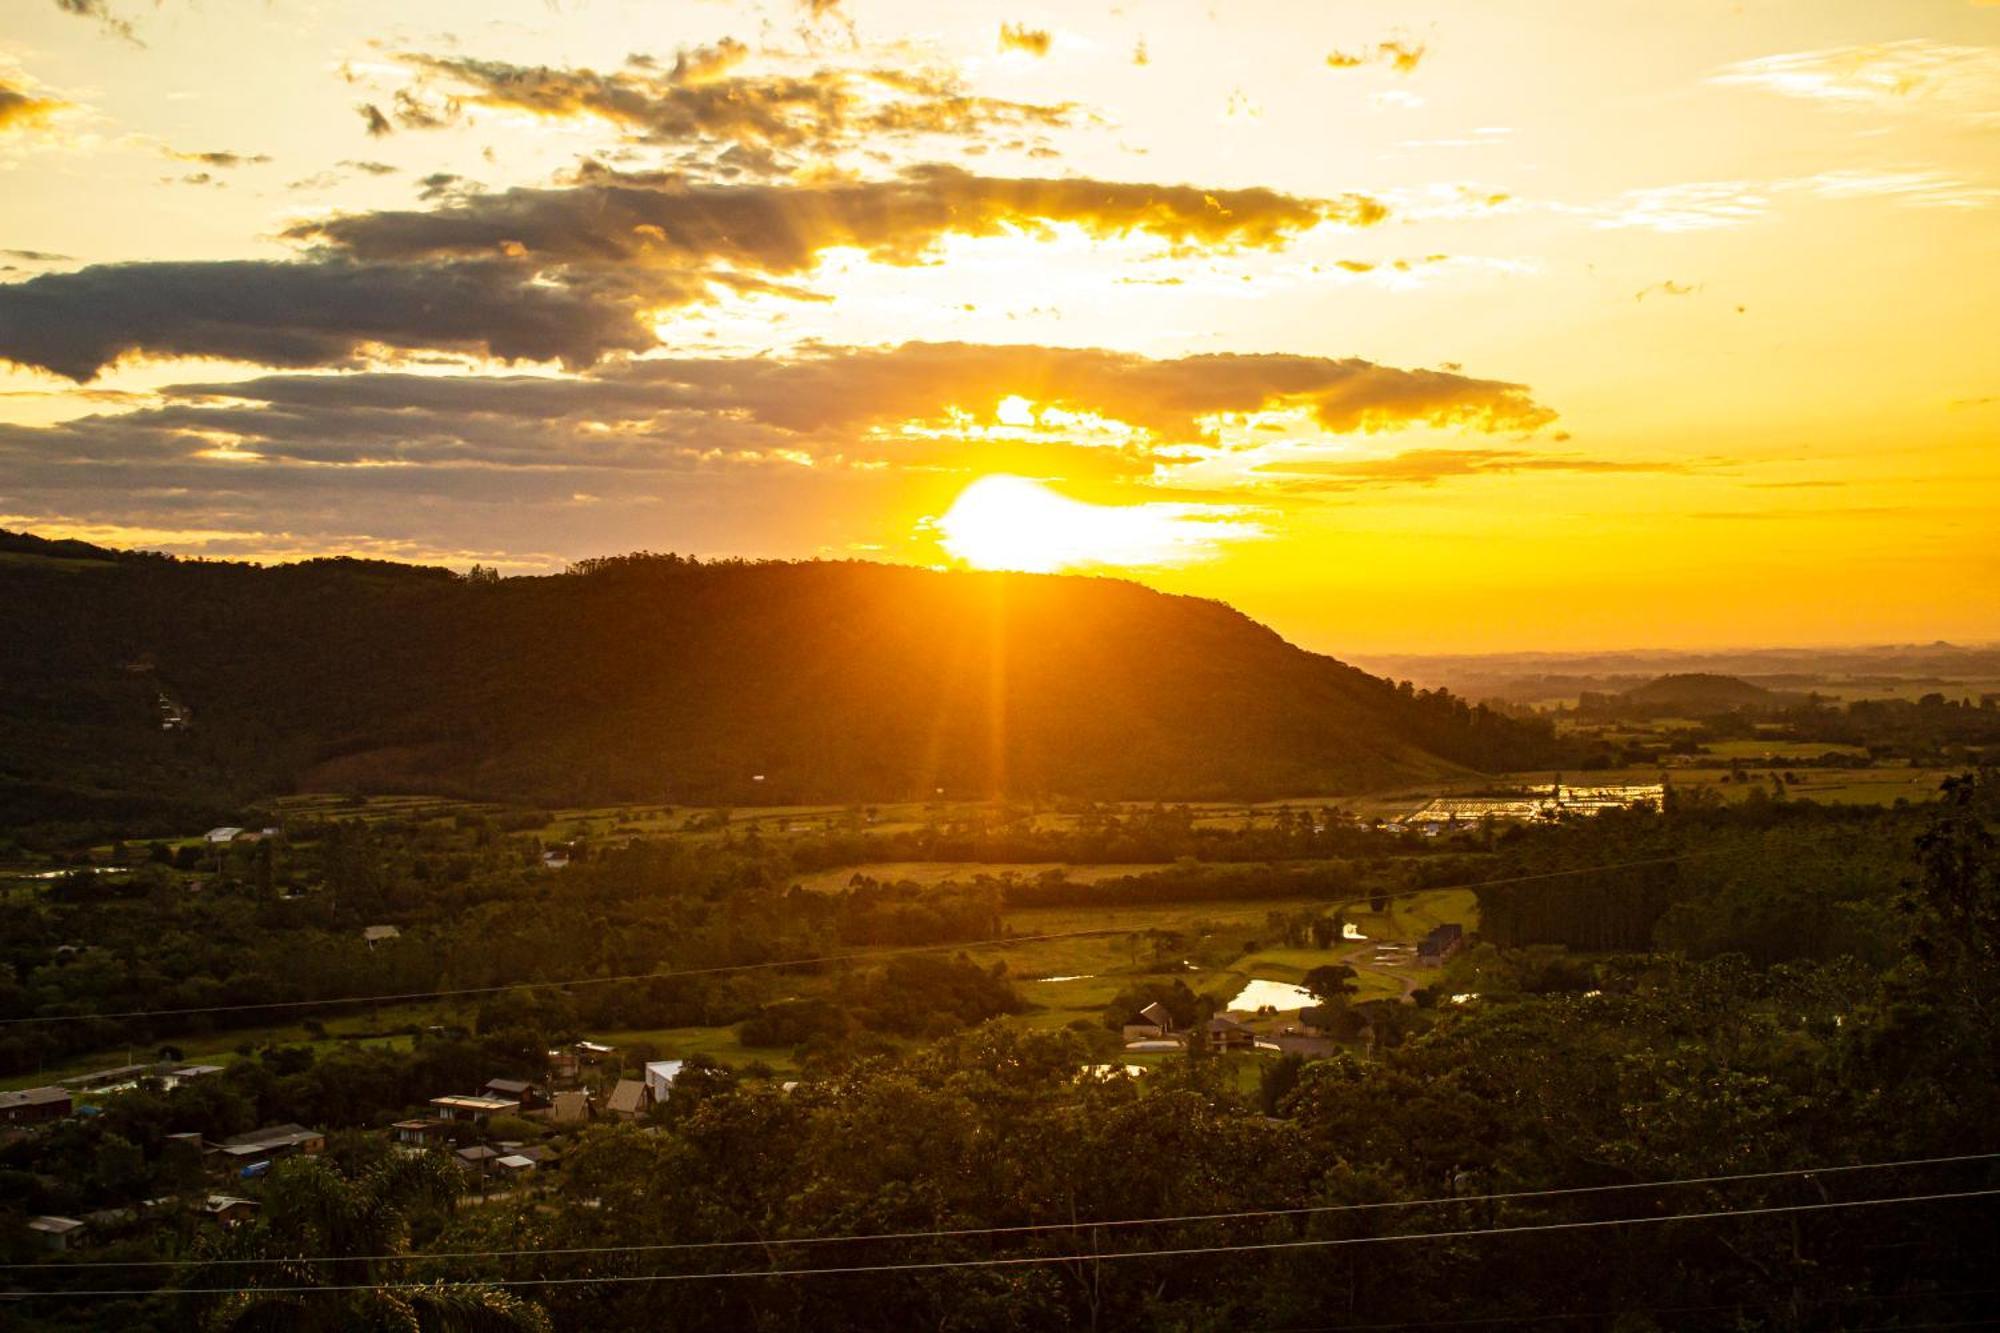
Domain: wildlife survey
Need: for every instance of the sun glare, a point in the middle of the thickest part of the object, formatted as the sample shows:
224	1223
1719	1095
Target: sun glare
1003	522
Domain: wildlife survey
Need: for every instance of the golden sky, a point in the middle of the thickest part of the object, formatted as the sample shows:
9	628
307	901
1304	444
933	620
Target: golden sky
1481	324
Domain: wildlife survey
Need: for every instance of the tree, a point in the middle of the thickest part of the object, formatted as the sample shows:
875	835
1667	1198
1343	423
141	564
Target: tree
1329	982
340	1231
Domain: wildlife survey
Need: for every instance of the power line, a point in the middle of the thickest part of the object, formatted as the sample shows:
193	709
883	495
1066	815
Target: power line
1030	1228
1021	1261
775	964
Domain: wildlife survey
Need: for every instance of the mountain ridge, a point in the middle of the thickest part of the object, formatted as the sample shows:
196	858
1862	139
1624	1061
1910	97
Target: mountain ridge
651	677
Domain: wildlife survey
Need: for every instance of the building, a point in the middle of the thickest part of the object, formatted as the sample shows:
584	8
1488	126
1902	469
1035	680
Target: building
1152	1022
220	837
530	1097
375	935
229	1210
1226	1034
56	1233
261	1147
570	1108
421	1133
1441	944
34	1106
660	1076
476	1107
629	1100
513	1166
478	1159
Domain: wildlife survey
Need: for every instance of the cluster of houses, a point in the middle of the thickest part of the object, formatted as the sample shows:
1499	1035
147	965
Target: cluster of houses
457	1123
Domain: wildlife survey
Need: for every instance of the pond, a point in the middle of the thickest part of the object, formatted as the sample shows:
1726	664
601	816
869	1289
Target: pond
1279	995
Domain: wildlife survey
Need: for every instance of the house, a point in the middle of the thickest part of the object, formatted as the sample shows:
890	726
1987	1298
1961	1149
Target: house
421	1133
34	1106
660	1076
260	1147
56	1233
513	1166
1154	1021
1226	1034
221	837
1441	944
375	935
629	1100
594	1052
570	1108
530	1097
476	1107
229	1210
478	1159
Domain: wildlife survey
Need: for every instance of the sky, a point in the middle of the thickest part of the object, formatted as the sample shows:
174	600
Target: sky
1475	325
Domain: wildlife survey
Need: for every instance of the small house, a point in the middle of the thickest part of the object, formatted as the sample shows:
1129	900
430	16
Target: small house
478	1159
1441	944
570	1108
629	1100
221	837
374	935
421	1133
530	1097
1154	1021
34	1106
476	1107
261	1147
660	1076
228	1210
56	1233
1226	1034
513	1166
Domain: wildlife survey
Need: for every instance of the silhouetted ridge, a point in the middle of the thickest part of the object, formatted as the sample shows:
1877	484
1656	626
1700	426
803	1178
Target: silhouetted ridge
659	677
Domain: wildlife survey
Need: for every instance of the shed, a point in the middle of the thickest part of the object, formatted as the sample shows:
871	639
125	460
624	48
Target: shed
56	1233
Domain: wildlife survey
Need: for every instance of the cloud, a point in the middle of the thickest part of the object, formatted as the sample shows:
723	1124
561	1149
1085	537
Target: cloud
704	101
609	219
21	109
377	123
565	273
1021	37
221	159
101	12
1690	206
1667	288
1401	56
303	314
1913	74
1427	467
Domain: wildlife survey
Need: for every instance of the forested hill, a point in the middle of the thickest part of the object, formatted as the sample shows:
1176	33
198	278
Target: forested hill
654	677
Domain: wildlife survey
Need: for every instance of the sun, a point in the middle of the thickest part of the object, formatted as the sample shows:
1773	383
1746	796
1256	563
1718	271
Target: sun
1006	522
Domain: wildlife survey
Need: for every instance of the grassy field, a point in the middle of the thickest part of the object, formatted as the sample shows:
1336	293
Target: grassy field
937	872
357	1026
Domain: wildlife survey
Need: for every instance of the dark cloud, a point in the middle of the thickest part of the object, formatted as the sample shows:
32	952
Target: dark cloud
222	159
36	256
609	219
1021	37
101	11
304	314
22	110
1667	288
1424	467
377	123
371	168
703	100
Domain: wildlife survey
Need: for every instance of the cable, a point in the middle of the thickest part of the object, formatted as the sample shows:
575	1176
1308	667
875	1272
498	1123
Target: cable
1041	1227
1019	1261
724	969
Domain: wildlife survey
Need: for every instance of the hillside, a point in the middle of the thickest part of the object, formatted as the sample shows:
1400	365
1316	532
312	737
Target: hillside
655	677
1700	692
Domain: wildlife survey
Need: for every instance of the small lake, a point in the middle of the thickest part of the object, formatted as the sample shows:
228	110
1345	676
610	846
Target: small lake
1278	995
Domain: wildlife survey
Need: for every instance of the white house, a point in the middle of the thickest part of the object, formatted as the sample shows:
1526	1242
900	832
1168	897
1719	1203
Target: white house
660	1076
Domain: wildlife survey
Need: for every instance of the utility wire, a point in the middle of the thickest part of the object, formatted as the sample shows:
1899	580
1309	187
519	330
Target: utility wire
1021	1261
1003	941
1031	1228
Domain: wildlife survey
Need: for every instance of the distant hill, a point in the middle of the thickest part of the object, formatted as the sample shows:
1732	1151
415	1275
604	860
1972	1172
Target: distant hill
130	681
1701	692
